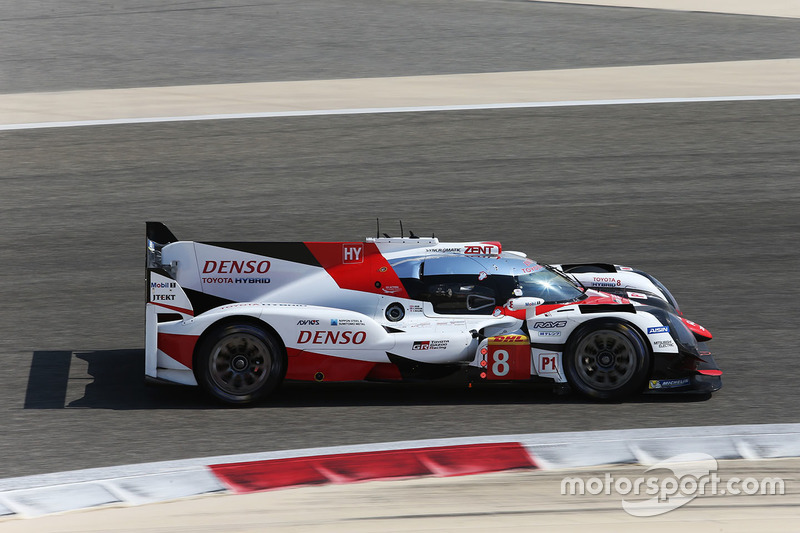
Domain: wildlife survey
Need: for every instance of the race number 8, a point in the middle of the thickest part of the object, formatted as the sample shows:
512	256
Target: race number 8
500	366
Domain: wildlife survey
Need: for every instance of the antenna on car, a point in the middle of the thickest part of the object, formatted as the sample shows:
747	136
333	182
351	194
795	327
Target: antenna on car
401	229
411	235
378	233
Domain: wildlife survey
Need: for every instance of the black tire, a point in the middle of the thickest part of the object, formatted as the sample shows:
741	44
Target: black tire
606	359
239	363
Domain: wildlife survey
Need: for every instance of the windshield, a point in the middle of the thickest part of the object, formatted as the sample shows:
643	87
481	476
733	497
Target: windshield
549	286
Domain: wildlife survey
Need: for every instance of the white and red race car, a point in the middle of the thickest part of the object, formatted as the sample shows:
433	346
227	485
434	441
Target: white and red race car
238	318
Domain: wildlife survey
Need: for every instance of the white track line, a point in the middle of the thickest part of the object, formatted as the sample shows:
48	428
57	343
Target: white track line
379	110
762	8
647	84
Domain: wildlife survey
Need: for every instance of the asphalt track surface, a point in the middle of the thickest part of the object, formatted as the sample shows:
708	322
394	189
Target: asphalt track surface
90	44
703	195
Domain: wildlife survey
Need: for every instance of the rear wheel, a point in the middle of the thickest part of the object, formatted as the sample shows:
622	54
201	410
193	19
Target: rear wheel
239	363
606	359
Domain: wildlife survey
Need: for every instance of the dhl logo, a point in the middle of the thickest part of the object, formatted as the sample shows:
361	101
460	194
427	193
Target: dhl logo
509	339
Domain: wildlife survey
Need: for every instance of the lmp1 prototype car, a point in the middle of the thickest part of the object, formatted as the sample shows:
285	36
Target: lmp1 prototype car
238	318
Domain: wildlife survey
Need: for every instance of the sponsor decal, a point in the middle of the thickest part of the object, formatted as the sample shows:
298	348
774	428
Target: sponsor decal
549	333
509	339
532	269
353	253
236	267
550	324
661	329
637	295
346	322
486	249
163	285
392	289
667	383
236	280
235	306
548	363
308	322
331	337
444	250
414	308
604	281
430	345
162	297
664	344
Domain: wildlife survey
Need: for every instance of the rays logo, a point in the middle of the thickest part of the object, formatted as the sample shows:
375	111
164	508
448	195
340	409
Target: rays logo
550	324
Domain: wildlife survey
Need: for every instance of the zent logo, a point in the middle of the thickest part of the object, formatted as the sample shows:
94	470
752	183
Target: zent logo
489	249
352	253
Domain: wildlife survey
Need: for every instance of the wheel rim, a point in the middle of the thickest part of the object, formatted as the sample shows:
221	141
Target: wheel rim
240	364
606	359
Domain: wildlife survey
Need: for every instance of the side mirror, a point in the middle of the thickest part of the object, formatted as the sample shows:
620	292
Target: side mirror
515	304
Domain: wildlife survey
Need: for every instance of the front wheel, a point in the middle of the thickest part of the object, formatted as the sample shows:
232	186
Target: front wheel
239	363
606	359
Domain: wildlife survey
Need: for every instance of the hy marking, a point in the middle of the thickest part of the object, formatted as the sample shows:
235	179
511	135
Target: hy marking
379	110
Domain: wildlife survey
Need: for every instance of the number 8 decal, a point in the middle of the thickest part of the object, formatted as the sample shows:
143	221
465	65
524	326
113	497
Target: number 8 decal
500	366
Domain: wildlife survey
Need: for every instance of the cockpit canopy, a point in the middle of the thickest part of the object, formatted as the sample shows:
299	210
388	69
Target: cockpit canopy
460	284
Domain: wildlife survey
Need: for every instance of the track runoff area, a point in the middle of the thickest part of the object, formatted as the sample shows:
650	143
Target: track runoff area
532	493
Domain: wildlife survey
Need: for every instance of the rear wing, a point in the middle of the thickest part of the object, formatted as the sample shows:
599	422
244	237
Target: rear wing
164	297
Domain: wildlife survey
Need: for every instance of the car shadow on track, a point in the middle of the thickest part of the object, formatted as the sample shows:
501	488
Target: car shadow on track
113	379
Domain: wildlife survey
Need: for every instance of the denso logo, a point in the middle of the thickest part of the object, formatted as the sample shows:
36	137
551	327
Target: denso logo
332	337
553	324
236	267
489	249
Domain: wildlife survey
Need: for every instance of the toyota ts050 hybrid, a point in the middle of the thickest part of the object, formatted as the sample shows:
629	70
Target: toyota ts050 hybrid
238	318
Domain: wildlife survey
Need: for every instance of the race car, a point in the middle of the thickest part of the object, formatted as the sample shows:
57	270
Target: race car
239	318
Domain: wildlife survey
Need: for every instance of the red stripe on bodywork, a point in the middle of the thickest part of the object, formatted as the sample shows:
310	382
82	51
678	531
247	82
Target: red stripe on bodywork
179	347
176	309
385	372
368	271
597	299
304	366
442	461
698	330
710	372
